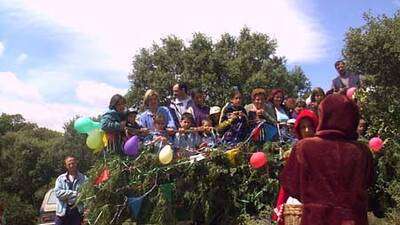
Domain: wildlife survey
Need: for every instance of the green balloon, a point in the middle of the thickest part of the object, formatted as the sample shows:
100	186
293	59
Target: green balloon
85	125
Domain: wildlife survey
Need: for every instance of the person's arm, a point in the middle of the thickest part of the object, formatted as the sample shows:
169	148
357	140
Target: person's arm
108	124
62	193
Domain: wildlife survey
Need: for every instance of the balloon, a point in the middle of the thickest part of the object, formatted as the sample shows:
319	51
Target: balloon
95	139
375	144
350	92
258	160
85	125
131	146
232	154
166	154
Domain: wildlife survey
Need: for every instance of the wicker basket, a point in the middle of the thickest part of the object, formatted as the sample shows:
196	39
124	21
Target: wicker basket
292	214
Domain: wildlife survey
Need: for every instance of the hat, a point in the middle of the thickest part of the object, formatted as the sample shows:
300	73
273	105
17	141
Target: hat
132	111
291	121
215	110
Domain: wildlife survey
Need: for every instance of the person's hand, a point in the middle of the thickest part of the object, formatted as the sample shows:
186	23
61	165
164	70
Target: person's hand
200	129
181	130
170	131
144	131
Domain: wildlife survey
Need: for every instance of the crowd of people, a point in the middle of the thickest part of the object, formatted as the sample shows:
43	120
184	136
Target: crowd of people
328	172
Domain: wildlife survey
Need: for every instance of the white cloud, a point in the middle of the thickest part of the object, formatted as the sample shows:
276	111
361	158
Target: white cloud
22	97
115	30
96	93
22	58
1	48
13	88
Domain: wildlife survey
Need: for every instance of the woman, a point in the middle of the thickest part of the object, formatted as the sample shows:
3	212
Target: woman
152	108
113	124
317	95
199	110
258	113
275	101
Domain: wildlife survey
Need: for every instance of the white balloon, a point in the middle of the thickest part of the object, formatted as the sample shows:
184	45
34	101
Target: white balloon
166	154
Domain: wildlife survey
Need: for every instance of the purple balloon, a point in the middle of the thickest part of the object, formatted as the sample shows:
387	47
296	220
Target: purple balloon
131	146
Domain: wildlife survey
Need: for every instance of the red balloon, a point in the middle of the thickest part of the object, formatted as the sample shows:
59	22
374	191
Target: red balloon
258	160
350	92
375	144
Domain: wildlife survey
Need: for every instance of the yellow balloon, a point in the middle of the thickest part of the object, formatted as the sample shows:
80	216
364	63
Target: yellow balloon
166	154
95	139
105	140
232	154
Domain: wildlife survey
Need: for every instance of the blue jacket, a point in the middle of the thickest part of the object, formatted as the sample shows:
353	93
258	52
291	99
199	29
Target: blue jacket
66	196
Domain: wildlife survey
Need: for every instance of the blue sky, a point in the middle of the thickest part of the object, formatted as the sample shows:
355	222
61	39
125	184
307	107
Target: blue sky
64	58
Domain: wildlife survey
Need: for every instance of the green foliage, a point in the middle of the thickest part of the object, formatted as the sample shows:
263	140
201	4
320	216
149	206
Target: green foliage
374	50
17	211
211	191
247	61
31	158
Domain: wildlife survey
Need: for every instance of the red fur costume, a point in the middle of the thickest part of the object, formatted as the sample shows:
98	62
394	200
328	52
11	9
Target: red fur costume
330	173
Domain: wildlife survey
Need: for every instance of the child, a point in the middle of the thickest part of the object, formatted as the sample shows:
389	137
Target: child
233	120
300	105
159	136
198	109
209	136
215	114
186	139
132	127
112	123
305	126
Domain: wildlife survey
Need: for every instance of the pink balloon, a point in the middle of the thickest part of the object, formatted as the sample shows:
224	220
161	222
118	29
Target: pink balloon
258	160
131	146
350	92
375	144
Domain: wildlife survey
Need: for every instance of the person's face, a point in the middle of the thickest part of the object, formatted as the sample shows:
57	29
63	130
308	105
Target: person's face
237	99
177	92
361	127
318	97
206	123
278	97
306	128
153	101
120	106
131	118
199	99
298	109
71	164
159	125
186	123
341	68
258	101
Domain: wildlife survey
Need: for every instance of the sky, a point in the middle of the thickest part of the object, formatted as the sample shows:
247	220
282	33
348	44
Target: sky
60	59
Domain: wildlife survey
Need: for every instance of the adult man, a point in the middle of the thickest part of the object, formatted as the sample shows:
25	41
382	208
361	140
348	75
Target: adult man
182	100
66	189
331	172
345	79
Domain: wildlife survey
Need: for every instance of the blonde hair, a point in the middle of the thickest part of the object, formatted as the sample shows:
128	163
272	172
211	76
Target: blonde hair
147	95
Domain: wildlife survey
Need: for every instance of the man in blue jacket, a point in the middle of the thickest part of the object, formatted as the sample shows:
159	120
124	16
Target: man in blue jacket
66	189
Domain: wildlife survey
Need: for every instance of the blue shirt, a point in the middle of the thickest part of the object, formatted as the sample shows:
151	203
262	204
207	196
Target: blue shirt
146	118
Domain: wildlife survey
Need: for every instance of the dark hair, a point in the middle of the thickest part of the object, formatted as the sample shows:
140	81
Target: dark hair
301	103
187	116
316	91
339	61
235	90
183	86
275	92
258	91
195	91
114	100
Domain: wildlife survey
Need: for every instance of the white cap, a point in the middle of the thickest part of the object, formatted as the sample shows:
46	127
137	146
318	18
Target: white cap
215	109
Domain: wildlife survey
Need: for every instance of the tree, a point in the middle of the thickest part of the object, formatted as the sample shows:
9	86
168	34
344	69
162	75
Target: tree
247	61
374	50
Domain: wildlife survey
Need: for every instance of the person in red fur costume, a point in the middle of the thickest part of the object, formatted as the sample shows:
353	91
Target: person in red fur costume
330	173
304	127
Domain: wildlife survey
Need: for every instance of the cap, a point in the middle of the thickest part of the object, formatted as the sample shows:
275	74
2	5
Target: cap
215	109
